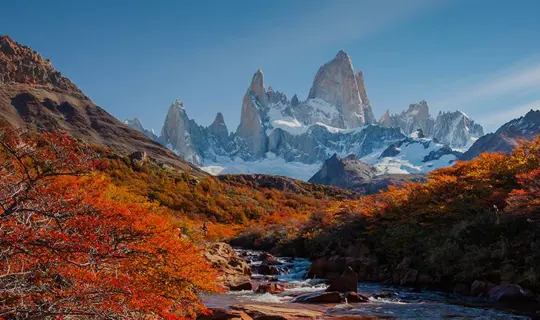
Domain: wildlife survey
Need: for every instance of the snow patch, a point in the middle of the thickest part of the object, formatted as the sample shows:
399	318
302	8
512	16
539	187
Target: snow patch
271	165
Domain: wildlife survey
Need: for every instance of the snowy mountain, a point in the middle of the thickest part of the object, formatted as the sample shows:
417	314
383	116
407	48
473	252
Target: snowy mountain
293	137
456	129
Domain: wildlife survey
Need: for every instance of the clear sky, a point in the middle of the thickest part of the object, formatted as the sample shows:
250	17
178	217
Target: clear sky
135	57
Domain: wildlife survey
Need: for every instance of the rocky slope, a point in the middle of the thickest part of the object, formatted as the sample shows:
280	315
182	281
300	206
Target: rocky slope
35	96
280	136
506	138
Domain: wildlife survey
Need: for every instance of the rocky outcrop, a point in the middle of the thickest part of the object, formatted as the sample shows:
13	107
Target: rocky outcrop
348	172
369	116
347	282
272	288
335	83
506	138
235	271
21	64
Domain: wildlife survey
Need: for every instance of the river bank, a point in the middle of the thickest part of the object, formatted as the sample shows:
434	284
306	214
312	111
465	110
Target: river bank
284	286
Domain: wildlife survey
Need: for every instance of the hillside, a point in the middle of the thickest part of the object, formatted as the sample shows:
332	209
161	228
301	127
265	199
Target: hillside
36	96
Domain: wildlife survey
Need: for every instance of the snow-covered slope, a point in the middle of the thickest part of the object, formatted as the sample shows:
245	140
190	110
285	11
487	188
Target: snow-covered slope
412	155
456	129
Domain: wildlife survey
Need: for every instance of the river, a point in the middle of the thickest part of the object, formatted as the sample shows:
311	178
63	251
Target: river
402	303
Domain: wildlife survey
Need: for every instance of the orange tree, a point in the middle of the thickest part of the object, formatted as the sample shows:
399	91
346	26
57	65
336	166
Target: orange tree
70	247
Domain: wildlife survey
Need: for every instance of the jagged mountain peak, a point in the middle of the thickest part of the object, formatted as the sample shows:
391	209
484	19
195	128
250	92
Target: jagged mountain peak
295	101
134	123
257	80
177	103
219	119
342	55
336	84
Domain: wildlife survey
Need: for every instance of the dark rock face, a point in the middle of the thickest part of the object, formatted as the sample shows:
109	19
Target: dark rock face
266	269
505	139
347	173
242	287
354	174
21	64
325	297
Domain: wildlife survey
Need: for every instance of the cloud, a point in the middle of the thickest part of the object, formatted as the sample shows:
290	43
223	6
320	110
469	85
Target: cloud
507	114
511	81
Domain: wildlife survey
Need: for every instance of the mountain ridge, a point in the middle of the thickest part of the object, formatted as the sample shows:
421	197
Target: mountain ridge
337	117
35	96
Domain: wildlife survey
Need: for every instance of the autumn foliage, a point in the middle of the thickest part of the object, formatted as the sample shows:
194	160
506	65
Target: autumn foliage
73	244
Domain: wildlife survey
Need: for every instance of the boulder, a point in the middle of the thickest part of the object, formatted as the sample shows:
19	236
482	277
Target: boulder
346	283
233	268
321	267
271	261
266	256
242	286
319	297
138	157
510	293
266	269
355	297
384	295
462	289
424	280
271	288
478	288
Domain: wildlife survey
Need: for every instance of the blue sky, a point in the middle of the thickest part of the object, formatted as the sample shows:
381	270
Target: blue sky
134	58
